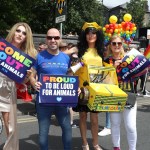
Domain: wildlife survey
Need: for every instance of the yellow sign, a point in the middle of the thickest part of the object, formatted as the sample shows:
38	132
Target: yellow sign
60	11
60	6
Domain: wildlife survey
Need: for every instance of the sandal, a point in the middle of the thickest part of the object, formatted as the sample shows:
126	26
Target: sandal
85	147
97	147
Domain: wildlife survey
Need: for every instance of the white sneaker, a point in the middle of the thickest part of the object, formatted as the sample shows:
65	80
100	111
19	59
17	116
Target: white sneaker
147	91
138	94
146	95
104	132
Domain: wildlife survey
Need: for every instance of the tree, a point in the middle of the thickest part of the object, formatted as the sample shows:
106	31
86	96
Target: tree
136	9
80	11
8	14
40	14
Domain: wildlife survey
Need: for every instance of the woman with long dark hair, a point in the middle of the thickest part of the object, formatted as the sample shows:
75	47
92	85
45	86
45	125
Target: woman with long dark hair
90	49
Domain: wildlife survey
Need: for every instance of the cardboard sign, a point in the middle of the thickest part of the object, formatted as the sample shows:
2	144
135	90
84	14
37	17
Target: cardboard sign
59	90
134	64
106	97
13	62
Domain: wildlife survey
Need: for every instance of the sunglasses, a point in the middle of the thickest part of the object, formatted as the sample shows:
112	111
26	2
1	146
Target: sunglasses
116	43
19	31
53	37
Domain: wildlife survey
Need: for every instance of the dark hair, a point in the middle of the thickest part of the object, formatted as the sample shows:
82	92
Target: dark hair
70	45
42	43
83	44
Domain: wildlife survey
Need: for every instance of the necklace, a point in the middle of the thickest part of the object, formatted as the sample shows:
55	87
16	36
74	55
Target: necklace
112	59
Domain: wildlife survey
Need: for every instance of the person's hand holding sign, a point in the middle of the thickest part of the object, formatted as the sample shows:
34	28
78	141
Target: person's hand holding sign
33	81
79	91
37	86
26	79
117	62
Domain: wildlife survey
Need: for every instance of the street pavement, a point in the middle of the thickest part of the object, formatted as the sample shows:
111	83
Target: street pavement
28	129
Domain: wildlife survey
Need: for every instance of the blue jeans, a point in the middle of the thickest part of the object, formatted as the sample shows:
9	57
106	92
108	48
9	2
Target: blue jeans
108	124
44	119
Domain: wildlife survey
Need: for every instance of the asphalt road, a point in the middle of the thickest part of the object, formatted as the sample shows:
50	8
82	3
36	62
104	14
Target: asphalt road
28	129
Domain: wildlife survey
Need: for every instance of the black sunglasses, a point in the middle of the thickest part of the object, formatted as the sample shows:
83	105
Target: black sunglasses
19	31
116	43
53	37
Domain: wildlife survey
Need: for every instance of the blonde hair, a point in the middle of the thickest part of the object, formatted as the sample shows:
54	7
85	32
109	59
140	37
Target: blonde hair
109	46
27	46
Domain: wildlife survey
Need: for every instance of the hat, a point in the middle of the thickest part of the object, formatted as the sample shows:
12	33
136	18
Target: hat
92	26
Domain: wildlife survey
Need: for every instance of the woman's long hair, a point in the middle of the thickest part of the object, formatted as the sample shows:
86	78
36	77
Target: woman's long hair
27	46
83	44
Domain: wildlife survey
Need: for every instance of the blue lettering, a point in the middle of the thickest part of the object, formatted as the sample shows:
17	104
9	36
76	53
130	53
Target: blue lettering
124	70
3	55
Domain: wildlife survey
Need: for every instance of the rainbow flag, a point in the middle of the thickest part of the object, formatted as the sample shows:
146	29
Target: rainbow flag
147	52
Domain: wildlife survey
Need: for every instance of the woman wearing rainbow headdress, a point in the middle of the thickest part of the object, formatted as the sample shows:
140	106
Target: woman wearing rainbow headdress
115	55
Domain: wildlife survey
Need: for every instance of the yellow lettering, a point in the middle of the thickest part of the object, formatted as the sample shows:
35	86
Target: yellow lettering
18	57
52	79
9	50
130	59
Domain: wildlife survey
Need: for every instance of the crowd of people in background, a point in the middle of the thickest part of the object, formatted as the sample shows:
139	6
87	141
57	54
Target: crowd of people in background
42	46
90	48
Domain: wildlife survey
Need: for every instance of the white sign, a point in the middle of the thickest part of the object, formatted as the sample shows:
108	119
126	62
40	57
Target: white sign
148	33
60	19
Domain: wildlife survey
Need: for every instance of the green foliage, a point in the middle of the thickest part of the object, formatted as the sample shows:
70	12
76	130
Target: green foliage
80	11
136	9
8	14
40	14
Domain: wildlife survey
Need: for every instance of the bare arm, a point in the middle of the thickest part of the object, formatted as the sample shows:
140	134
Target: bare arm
33	80
71	51
27	77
